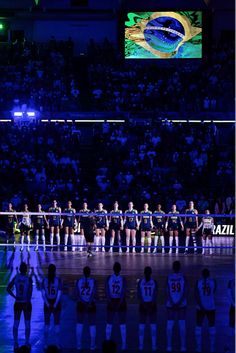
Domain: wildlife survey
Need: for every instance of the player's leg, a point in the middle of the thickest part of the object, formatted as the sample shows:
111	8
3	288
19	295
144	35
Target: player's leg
153	326
51	236
182	329
149	241
155	240
47	314
57	230
110	320
66	236
22	238
72	238
193	233
142	240
28	239
212	329
80	239
162	241
122	321
127	233
187	240
12	232
57	317
27	315
92	326
79	325
17	315
231	332
169	329
133	236
36	240
198	329
43	239
171	237
142	323
203	242
112	239
210	244
97	239
176	236
119	241
103	239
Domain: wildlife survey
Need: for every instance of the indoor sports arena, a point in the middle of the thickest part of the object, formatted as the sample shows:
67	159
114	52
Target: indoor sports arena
117	176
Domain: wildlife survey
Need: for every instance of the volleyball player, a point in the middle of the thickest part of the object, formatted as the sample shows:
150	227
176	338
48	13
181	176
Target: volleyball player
173	223
39	222
25	226
231	295
116	225
10	225
131	225
55	224
147	295
205	289
176	305
81	221
23	293
191	225
68	223
89	228
116	303
207	225
146	225
101	227
51	293
86	292
159	225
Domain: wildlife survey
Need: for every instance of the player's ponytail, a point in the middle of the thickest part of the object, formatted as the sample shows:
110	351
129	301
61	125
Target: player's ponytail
51	273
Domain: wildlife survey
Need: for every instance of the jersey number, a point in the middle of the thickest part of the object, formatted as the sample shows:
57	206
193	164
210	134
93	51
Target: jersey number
115	288
175	287
206	290
51	290
85	291
148	291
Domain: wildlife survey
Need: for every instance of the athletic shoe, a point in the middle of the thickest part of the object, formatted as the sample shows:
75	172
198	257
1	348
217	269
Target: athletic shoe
170	251
186	252
149	251
65	248
127	251
177	251
36	249
133	251
142	251
163	251
21	249
120	250
28	249
103	249
154	251
110	250
73	249
195	252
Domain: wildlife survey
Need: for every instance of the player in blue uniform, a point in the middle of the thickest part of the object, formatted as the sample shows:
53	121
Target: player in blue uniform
131	225
23	293
25	226
207	225
10	225
51	293
39	222
145	226
116	303
55	224
68	223
159	226
82	224
176	289
147	295
101	227
205	289
116	225
191	225
86	306
173	223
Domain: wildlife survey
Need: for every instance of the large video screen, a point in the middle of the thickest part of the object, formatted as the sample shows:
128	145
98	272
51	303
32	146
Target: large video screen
163	35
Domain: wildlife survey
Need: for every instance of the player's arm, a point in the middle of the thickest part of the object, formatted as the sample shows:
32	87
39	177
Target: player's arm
169	298
185	218
121	222
181	223
10	287
139	295
123	292
151	221
45	299
59	293
106	220
196	212
94	293
201	225
154	296
137	221
60	217
125	219
197	296
107	290
167	221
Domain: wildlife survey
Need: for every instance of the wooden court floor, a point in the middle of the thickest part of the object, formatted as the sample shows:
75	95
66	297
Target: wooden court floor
69	267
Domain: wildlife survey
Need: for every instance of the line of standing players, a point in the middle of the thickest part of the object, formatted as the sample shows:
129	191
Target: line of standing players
176	292
94	228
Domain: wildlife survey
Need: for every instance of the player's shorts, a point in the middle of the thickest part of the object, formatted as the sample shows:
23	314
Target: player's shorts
207	231
147	311
69	224
84	309
89	236
232	316
173	227
56	312
209	314
159	226
176	313
25	307
130	226
114	226
10	232
113	307
145	228
54	223
191	225
39	227
100	225
24	228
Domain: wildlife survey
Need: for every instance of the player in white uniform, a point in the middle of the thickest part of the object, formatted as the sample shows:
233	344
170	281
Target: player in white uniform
22	296
205	299
25	226
176	288
207	225
147	294
115	292
86	292
51	293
